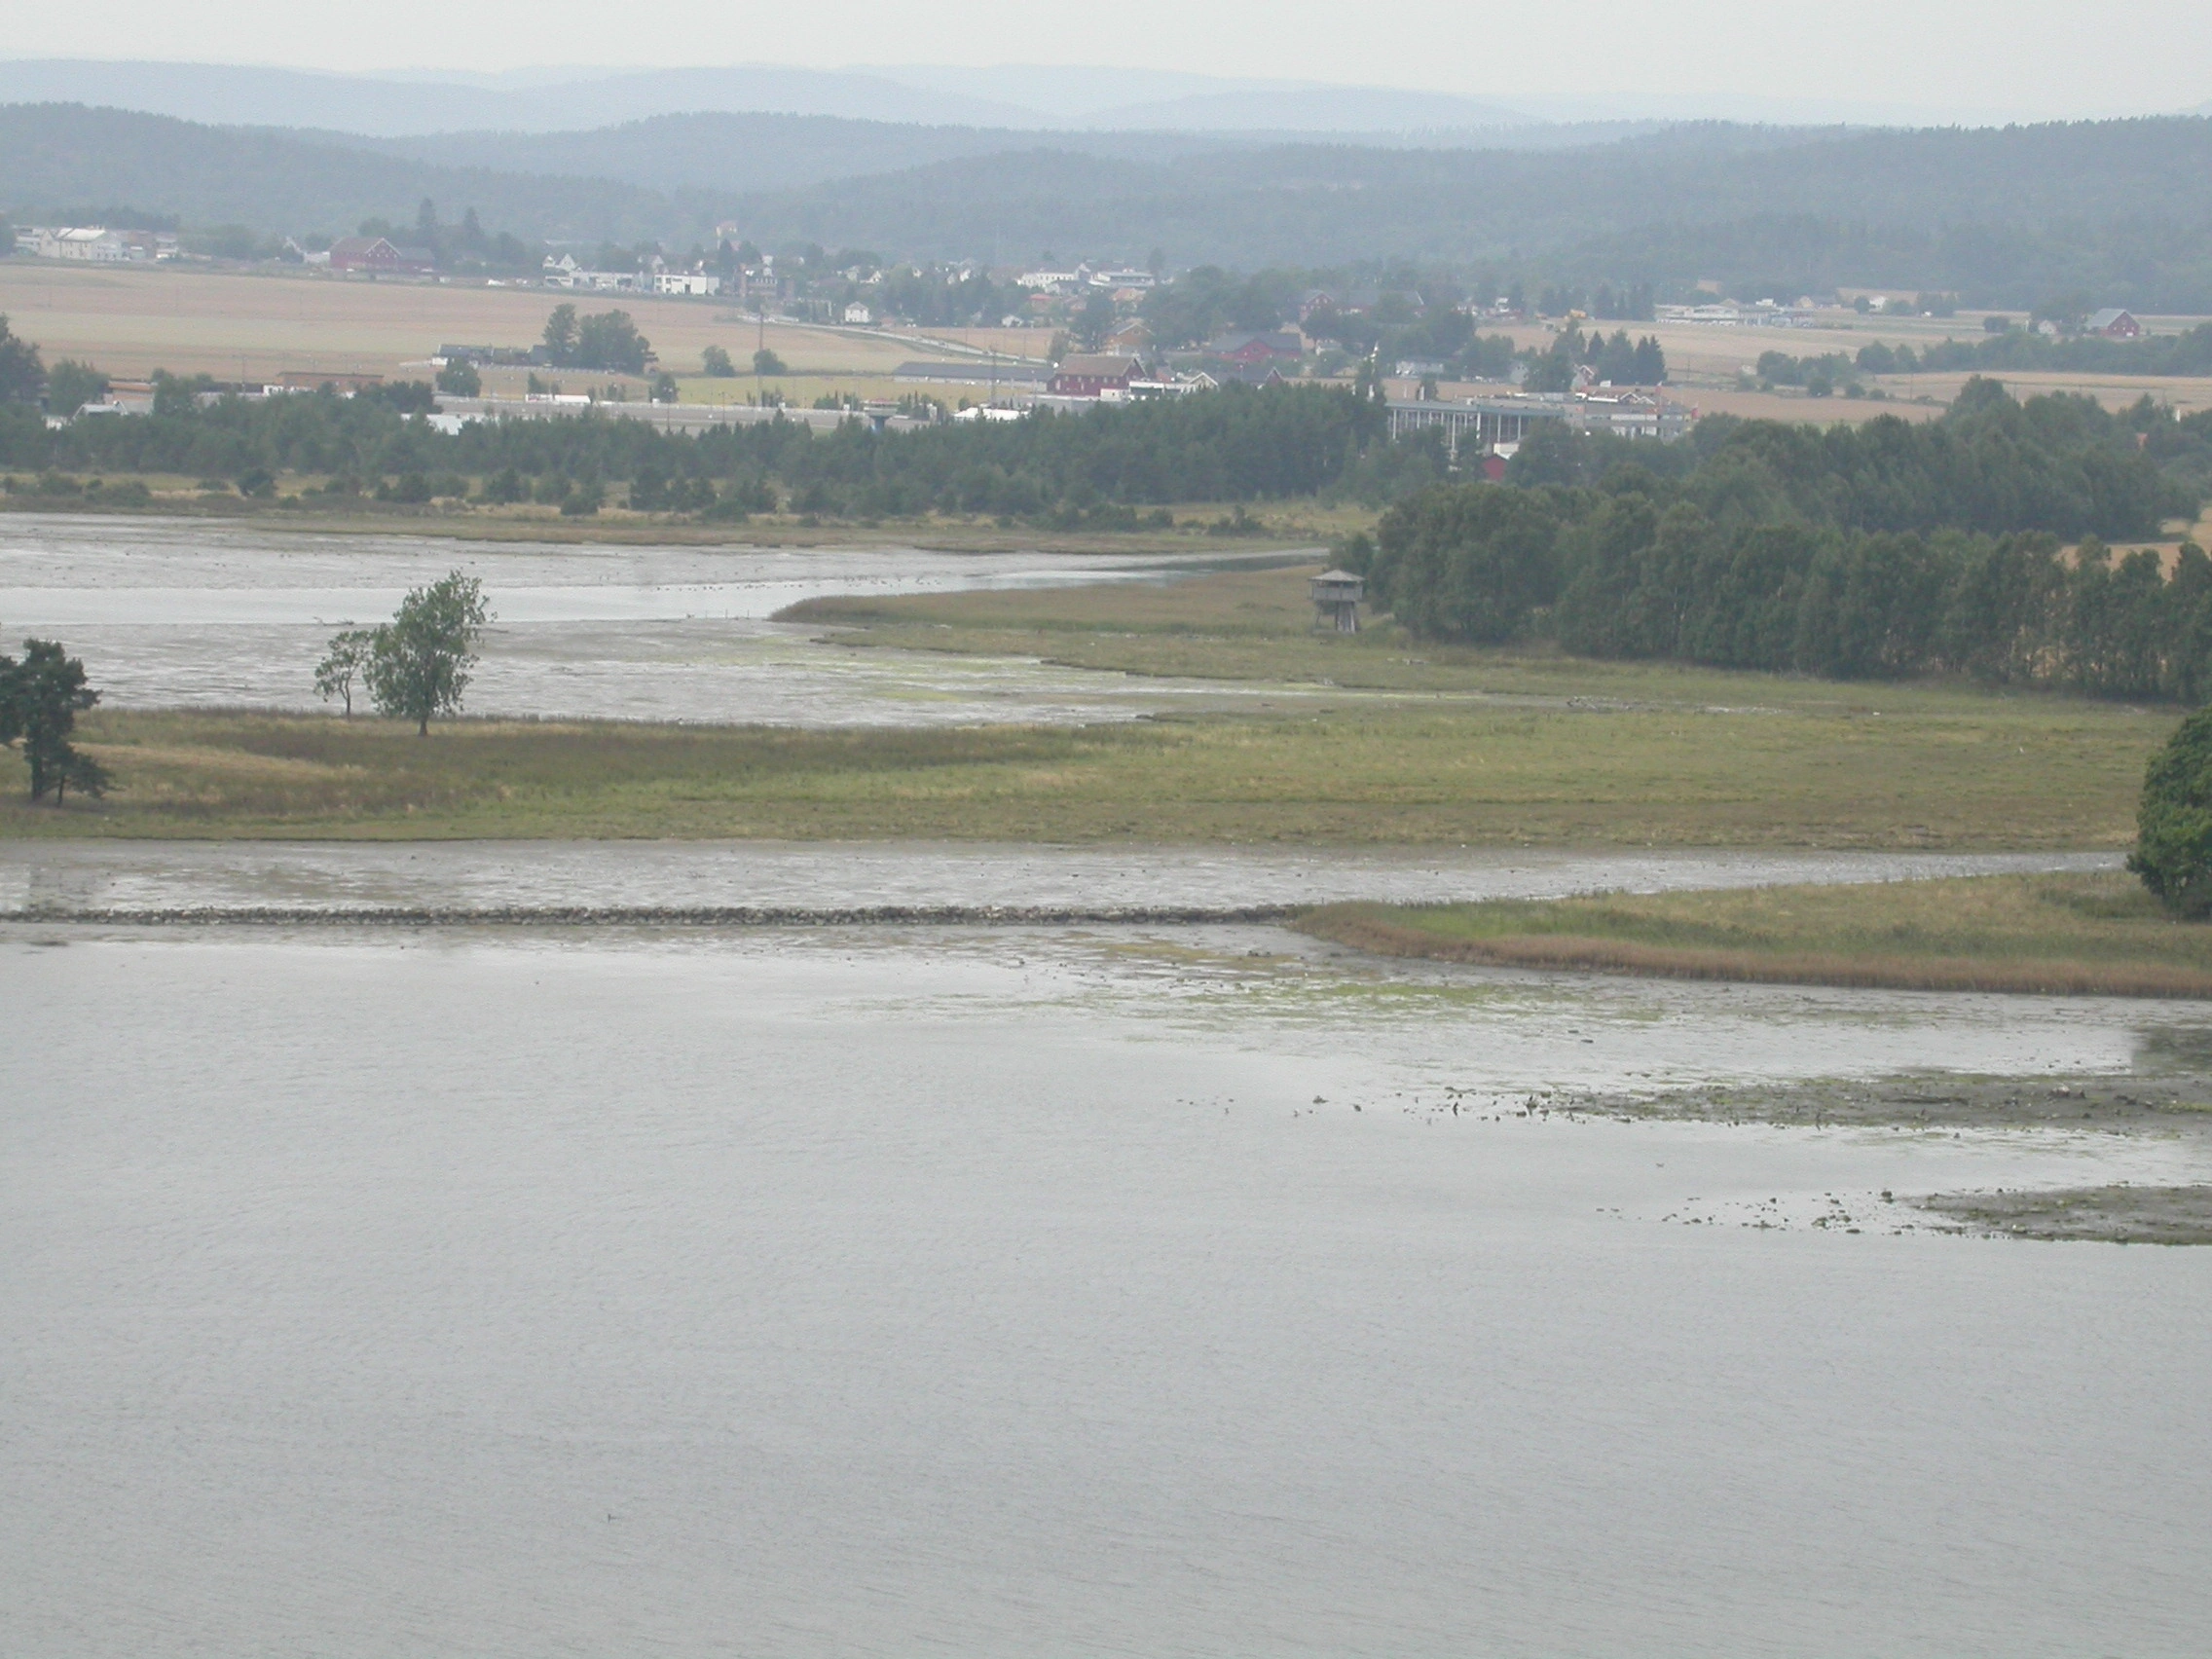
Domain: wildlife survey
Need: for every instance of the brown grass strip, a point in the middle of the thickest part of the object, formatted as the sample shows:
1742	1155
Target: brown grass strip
1571	953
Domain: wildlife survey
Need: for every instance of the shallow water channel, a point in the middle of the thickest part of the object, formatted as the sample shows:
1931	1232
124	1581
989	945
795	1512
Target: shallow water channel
189	614
339	878
1074	1290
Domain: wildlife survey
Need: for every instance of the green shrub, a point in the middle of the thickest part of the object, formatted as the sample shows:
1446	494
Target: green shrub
2173	825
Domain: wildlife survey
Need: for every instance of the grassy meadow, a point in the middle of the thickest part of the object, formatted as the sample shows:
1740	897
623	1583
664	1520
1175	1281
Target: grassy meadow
2062	934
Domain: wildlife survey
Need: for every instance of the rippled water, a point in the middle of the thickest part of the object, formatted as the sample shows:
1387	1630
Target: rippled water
1115	1290
198	615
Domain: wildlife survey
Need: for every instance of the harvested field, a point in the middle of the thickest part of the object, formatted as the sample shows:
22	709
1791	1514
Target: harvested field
233	324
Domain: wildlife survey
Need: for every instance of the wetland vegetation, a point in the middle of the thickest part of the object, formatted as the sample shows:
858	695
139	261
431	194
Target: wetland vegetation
2099	935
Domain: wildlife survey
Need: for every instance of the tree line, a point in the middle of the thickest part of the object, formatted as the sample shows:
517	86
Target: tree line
1620	360
1880	552
1099	465
2016	349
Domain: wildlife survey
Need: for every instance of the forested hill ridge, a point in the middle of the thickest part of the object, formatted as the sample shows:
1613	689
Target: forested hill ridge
2000	216
2003	217
280	183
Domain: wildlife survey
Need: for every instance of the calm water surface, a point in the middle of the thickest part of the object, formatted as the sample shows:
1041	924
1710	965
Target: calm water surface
1107	1291
189	614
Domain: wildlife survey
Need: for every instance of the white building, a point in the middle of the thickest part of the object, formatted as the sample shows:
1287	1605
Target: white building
94	244
855	313
685	283
1052	282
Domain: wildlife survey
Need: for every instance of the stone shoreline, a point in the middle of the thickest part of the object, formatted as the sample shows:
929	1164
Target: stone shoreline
643	915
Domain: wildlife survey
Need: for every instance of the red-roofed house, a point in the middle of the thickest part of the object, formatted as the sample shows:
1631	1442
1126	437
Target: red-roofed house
378	254
1254	349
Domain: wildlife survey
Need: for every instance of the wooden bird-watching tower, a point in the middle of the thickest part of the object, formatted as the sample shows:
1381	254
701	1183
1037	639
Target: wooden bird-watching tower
1336	601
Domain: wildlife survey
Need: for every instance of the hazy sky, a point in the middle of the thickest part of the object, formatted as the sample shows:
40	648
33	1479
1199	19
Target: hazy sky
1975	57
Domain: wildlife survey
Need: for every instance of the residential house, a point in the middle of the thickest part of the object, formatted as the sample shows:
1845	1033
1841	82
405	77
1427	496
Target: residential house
1244	373
124	397
756	283
1130	338
858	315
1095	375
380	257
2113	323
1254	348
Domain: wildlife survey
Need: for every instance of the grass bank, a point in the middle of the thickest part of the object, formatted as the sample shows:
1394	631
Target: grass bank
2095	934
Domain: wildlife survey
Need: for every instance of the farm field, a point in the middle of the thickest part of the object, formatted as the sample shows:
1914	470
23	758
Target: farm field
1703	362
240	324
233	324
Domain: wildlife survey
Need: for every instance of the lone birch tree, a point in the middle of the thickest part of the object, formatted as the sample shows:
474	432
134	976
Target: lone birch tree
344	661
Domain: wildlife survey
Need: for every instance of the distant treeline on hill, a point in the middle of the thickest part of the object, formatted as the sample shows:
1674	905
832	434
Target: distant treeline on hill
2005	218
1883	551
